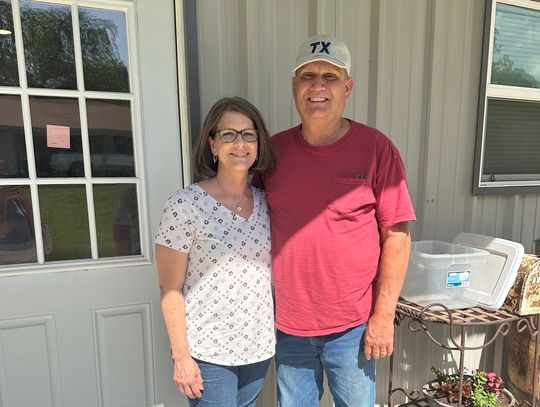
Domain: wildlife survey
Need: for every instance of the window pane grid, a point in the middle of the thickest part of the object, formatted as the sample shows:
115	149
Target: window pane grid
28	136
77	48
91	220
513	92
88	182
85	141
19	44
37	221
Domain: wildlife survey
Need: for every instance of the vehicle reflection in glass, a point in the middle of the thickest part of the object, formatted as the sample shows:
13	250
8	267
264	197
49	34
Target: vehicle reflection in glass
110	135
13	146
110	157
53	161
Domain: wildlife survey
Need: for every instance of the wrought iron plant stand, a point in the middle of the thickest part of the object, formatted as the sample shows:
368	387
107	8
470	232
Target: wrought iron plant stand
459	320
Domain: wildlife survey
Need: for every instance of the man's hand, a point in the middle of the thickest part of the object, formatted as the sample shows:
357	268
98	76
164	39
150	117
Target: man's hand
187	377
379	337
379	334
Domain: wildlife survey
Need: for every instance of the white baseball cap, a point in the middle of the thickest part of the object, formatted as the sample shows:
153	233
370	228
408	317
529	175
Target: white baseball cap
323	47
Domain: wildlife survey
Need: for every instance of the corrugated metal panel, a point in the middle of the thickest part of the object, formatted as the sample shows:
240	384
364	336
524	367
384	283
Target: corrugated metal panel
400	103
402	83
416	65
457	37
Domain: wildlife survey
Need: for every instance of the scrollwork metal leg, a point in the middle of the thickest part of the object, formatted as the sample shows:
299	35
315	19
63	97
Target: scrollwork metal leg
390	375
535	371
461	361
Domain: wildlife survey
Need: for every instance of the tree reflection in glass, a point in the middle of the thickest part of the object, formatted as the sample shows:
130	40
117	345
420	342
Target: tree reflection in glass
104	49
516	47
48	45
9	75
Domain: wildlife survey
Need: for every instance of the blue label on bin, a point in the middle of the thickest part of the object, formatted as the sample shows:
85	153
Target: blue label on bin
461	278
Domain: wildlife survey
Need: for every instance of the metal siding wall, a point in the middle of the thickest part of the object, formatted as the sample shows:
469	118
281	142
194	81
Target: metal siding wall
451	121
416	65
220	68
402	82
514	217
249	57
350	21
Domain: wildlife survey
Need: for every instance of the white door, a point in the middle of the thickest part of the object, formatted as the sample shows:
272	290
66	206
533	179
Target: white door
89	150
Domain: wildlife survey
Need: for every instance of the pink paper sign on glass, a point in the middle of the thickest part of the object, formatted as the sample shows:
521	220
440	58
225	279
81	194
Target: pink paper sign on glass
58	136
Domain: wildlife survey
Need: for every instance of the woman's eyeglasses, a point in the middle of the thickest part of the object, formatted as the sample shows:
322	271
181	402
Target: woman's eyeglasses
229	135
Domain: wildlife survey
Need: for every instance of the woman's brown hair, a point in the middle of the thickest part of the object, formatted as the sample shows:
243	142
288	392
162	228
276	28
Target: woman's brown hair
204	165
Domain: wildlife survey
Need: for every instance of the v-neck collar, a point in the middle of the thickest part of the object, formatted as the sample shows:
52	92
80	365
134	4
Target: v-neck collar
235	215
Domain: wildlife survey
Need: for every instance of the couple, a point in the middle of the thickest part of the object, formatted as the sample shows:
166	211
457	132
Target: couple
339	209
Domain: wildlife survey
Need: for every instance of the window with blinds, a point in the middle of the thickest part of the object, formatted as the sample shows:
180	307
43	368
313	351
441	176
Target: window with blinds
508	141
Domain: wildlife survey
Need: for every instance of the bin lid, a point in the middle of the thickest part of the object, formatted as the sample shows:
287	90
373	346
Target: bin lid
491	287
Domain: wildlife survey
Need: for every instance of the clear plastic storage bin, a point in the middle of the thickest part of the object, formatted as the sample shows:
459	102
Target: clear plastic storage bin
441	272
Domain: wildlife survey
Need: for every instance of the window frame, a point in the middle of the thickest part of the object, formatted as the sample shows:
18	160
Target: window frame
25	93
511	183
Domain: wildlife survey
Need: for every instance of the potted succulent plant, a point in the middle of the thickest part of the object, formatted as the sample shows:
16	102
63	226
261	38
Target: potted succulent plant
480	389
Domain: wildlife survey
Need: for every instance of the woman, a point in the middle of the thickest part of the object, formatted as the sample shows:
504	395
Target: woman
213	258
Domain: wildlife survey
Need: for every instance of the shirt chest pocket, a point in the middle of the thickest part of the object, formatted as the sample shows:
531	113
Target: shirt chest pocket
348	195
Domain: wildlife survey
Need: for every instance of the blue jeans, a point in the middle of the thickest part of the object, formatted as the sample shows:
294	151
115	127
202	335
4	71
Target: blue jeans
230	386
300	362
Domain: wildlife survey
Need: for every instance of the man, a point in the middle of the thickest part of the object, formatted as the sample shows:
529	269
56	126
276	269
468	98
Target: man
339	211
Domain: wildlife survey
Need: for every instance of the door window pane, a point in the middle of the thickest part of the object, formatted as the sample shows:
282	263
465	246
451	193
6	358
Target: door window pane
17	239
57	155
48	45
56	143
104	49
9	75
117	220
516	49
13	161
64	218
111	139
512	144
